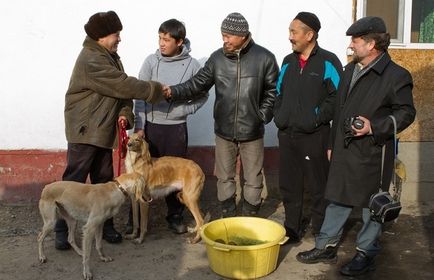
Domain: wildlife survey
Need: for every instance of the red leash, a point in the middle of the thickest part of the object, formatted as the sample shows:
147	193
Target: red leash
122	143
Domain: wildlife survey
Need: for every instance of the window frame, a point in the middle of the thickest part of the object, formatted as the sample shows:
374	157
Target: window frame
404	25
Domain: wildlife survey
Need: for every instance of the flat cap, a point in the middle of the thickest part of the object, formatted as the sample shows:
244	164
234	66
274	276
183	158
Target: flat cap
367	25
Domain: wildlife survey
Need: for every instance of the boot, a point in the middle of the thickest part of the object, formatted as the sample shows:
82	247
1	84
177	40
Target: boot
175	224
109	233
360	264
61	240
229	207
250	210
327	255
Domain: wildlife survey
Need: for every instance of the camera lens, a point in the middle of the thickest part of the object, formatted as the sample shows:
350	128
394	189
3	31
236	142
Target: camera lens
358	124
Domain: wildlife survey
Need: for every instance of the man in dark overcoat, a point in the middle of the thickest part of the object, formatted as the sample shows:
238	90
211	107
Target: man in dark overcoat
373	87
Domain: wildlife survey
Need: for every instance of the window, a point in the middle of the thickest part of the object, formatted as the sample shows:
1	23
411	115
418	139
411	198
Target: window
422	21
409	22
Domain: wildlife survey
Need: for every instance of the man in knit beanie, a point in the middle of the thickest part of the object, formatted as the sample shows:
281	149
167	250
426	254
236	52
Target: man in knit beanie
244	75
304	107
99	97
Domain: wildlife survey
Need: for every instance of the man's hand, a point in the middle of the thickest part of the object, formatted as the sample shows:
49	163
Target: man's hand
366	129
123	122
329	154
140	132
167	92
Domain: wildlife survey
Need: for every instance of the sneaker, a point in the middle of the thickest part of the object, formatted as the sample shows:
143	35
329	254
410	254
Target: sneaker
109	233
360	264
316	255
61	240
176	225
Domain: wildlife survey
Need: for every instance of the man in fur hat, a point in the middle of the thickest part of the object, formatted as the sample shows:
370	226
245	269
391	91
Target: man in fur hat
99	97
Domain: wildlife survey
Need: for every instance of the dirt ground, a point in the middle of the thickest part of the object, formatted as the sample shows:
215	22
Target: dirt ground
408	248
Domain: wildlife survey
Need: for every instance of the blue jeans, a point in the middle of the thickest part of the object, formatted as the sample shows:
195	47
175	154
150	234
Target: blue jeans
331	231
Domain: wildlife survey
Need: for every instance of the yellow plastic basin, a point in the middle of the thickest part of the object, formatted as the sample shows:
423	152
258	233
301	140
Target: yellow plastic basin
243	261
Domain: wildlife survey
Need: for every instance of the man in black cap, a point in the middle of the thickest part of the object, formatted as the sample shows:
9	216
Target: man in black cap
244	75
373	88
99	97
306	91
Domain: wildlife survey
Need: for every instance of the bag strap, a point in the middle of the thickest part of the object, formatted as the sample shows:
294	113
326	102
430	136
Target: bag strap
395	152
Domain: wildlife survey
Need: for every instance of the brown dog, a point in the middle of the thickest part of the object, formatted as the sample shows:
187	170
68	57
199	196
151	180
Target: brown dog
162	176
90	203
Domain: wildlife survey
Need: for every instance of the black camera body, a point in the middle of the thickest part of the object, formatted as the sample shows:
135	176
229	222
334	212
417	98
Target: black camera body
348	128
357	123
352	121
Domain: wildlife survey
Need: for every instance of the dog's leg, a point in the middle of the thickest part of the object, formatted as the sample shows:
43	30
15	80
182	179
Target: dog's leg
49	217
192	205
88	235
134	206
72	225
98	244
144	215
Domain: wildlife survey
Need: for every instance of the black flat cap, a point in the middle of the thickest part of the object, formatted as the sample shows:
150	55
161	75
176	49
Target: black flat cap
367	25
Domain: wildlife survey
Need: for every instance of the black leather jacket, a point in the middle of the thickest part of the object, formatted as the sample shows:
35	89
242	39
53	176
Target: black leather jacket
245	86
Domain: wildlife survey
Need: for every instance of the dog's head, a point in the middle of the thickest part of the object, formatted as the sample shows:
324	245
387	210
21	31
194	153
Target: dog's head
135	185
137	144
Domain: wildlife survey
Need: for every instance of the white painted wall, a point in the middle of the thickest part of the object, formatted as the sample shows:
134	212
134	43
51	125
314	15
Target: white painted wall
42	38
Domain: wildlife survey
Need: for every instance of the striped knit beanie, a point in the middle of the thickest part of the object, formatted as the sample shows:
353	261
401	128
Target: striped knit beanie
235	24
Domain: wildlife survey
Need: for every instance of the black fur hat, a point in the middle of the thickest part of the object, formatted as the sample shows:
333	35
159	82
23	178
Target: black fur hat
102	24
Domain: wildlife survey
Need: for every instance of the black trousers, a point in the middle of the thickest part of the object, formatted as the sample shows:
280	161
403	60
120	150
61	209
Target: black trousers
86	160
303	164
168	140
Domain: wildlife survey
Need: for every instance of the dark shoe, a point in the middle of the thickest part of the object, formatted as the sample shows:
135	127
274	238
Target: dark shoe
109	233
360	264
61	240
229	207
250	210
176	224
292	237
315	255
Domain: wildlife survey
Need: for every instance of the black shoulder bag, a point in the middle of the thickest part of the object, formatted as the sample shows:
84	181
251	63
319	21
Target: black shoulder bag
382	205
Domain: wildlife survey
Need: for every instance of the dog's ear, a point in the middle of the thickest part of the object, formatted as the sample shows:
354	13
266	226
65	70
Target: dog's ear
145	151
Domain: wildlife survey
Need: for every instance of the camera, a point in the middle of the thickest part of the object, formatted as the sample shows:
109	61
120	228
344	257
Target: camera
353	121
357	123
348	130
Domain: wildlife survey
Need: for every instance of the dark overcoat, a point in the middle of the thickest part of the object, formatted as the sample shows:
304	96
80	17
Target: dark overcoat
385	89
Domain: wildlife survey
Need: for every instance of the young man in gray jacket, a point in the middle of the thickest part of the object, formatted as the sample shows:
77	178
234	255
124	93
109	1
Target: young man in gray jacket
164	125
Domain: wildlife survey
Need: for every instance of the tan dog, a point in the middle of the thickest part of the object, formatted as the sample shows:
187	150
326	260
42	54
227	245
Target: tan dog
162	176
90	203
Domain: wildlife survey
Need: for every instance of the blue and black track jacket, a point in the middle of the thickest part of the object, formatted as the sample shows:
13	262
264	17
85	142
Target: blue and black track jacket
306	97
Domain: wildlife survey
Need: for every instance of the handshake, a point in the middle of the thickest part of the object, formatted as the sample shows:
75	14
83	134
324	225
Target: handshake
167	92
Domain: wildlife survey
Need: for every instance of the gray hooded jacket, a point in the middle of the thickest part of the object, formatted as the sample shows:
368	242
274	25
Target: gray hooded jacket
168	71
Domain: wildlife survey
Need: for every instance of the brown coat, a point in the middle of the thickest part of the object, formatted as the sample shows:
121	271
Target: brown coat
99	92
